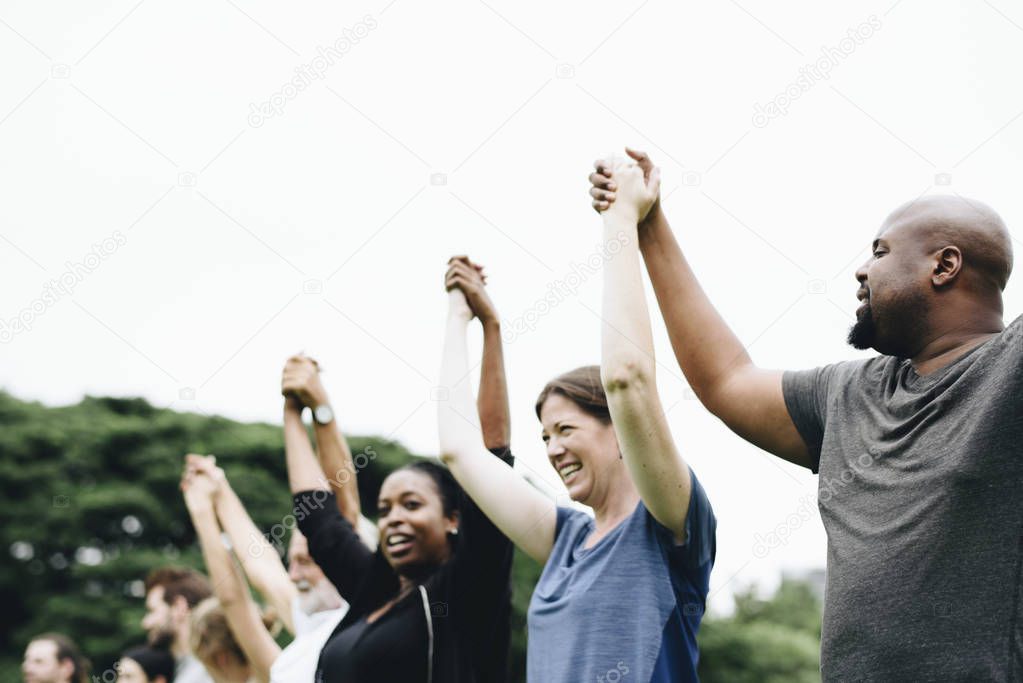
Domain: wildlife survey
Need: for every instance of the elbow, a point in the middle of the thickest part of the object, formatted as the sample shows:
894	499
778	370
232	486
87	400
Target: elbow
449	454
626	374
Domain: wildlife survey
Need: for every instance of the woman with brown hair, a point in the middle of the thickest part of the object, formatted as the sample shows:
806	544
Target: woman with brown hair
623	590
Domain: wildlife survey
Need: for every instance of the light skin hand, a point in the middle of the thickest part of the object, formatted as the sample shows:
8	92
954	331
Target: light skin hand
199	487
458	305
603	190
468	277
300	382
636	192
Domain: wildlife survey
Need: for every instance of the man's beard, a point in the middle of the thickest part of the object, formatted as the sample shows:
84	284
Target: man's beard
319	597
162	636
898	331
863	332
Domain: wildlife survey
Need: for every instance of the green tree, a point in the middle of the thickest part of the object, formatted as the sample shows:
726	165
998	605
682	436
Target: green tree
773	640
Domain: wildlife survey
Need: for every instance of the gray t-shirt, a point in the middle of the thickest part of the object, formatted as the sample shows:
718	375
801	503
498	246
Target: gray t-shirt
921	494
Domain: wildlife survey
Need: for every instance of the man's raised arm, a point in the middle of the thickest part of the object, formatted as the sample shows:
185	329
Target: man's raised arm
746	398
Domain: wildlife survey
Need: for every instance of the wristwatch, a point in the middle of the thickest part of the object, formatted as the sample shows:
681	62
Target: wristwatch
323	414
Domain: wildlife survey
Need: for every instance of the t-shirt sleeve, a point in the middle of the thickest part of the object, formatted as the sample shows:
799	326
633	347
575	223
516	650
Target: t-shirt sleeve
806	397
333	543
695	556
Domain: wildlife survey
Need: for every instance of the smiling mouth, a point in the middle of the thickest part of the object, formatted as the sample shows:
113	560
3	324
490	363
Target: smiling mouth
398	545
567	471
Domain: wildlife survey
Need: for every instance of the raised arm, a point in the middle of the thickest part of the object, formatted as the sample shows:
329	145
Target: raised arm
521	512
627	365
301	380
229	586
259	559
492	402
746	398
304	473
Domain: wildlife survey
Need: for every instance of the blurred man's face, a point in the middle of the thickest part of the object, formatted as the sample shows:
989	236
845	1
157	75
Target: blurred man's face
315	592
42	666
158	621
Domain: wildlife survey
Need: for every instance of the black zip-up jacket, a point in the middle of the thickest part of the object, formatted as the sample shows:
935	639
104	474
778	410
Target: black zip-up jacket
464	616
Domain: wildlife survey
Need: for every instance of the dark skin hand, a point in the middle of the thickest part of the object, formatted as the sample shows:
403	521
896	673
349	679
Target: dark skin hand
469	277
492	402
603	185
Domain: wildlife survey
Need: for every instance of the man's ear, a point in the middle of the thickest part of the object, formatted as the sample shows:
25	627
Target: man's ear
180	609
67	668
947	267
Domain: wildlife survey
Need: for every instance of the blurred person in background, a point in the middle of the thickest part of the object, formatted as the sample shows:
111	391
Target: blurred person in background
229	634
171	595
53	658
145	664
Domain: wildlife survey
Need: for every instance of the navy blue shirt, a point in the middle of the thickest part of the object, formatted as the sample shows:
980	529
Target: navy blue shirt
629	607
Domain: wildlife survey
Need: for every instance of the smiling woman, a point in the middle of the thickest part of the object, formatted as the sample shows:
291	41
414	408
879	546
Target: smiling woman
622	591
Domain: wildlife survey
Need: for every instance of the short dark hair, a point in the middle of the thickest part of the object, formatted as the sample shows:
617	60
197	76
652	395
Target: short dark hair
582	387
67	649
185	582
155	661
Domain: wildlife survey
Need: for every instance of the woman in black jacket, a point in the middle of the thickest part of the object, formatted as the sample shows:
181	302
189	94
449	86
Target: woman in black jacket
433	603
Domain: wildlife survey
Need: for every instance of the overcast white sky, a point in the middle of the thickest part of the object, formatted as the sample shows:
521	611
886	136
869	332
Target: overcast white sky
236	239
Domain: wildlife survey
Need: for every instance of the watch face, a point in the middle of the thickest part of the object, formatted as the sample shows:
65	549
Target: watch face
323	414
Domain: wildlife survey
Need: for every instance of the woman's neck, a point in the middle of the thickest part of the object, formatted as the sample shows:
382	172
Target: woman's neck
618	502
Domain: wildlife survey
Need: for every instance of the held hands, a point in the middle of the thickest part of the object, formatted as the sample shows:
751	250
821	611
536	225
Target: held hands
609	187
201	481
300	383
466	285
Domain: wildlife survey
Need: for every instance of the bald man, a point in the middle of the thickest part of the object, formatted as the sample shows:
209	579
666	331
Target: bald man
919	449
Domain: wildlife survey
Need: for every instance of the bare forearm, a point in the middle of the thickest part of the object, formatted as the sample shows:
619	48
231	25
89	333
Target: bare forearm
304	471
492	404
705	347
339	468
627	348
230	589
525	515
457	419
259	559
226	585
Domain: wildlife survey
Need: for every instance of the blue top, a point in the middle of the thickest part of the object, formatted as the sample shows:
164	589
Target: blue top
628	608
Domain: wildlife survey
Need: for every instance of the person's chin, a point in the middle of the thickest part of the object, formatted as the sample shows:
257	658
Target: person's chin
579	492
403	561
